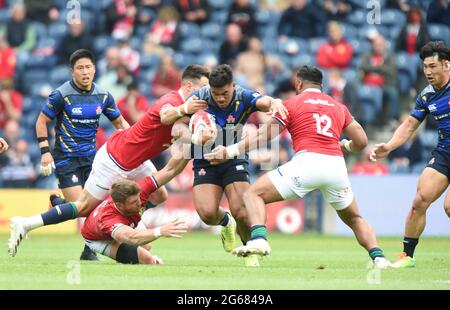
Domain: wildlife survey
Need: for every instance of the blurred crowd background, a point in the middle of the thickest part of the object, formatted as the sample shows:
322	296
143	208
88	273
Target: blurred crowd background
370	62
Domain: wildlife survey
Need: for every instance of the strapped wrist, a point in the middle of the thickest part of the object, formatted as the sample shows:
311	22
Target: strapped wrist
157	232
44	150
185	106
233	150
42	139
179	113
347	145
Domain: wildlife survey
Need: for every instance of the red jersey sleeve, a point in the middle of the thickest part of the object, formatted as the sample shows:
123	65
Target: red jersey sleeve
284	121
148	186
109	222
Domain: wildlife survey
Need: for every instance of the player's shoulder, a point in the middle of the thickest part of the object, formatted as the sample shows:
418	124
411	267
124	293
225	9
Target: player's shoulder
64	90
173	98
98	90
427	91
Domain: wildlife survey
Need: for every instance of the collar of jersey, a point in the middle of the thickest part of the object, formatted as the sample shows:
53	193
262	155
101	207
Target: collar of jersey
81	91
312	90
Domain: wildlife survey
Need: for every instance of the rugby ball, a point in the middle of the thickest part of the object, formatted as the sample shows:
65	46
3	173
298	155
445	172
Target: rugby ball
201	121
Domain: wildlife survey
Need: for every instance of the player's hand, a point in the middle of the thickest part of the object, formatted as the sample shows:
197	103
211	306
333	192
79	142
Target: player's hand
380	150
3	145
47	163
194	104
174	229
219	153
277	107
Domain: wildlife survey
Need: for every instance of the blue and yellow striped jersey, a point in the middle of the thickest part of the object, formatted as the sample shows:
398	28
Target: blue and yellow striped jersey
232	119
77	114
436	103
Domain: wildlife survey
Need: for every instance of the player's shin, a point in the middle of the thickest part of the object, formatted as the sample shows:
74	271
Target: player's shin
60	213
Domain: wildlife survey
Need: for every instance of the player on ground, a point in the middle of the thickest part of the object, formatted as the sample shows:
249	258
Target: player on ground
112	228
315	122
76	105
126	154
231	106
434	180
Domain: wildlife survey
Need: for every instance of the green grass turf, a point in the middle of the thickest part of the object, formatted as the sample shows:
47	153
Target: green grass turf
198	262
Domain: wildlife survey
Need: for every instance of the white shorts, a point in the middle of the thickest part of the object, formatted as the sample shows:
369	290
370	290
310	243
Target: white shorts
100	246
105	171
310	171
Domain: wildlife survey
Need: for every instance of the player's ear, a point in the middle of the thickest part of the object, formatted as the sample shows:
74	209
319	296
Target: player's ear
446	65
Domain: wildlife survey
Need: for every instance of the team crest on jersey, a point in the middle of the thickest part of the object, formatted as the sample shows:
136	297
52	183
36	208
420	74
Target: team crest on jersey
74	179
431	161
296	181
230	119
202	172
99	110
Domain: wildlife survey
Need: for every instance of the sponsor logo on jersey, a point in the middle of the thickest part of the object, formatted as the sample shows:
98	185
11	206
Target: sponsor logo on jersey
202	172
296	181
432	107
99	110
240	167
74	178
77	111
319	101
431	161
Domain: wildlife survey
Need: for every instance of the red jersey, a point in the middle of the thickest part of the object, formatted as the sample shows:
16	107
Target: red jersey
315	122
106	218
146	139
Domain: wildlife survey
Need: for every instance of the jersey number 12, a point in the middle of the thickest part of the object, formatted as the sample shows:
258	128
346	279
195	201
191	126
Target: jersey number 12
323	119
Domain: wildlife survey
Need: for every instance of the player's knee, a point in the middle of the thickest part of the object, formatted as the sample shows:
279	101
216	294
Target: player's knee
238	211
208	216
421	203
127	254
249	194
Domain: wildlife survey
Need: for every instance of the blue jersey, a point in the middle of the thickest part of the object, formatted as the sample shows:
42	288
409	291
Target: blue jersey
436	103
77	114
232	119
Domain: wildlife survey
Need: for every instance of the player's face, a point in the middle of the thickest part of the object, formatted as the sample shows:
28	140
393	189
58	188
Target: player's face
223	95
436	71
131	206
83	73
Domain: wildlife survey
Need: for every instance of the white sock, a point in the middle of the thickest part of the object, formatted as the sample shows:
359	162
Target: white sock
33	222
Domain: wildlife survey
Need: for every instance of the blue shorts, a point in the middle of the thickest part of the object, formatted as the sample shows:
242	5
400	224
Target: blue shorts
73	171
440	161
233	170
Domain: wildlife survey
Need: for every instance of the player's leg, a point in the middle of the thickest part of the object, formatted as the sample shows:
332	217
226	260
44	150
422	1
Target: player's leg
234	192
207	199
132	254
432	184
447	204
256	197
148	169
363	232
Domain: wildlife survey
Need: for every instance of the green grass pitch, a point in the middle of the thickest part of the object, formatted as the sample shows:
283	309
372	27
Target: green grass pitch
198	262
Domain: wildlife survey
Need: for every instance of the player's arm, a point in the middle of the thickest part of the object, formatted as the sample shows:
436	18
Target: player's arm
272	106
401	135
3	145
47	162
170	114
128	235
120	123
358	138
265	132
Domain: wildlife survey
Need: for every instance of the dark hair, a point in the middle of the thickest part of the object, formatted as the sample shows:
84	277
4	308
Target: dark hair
122	189
220	76
81	53
194	72
310	74
435	48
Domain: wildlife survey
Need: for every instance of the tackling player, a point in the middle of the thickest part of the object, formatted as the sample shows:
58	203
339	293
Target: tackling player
126	155
315	122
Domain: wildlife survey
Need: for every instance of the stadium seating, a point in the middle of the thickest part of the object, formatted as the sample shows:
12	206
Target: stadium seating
371	100
439	32
407	71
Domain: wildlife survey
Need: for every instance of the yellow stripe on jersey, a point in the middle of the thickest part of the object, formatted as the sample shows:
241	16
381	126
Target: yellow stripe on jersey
237	105
60	139
104	98
247	112
66	99
68	119
68	134
111	109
